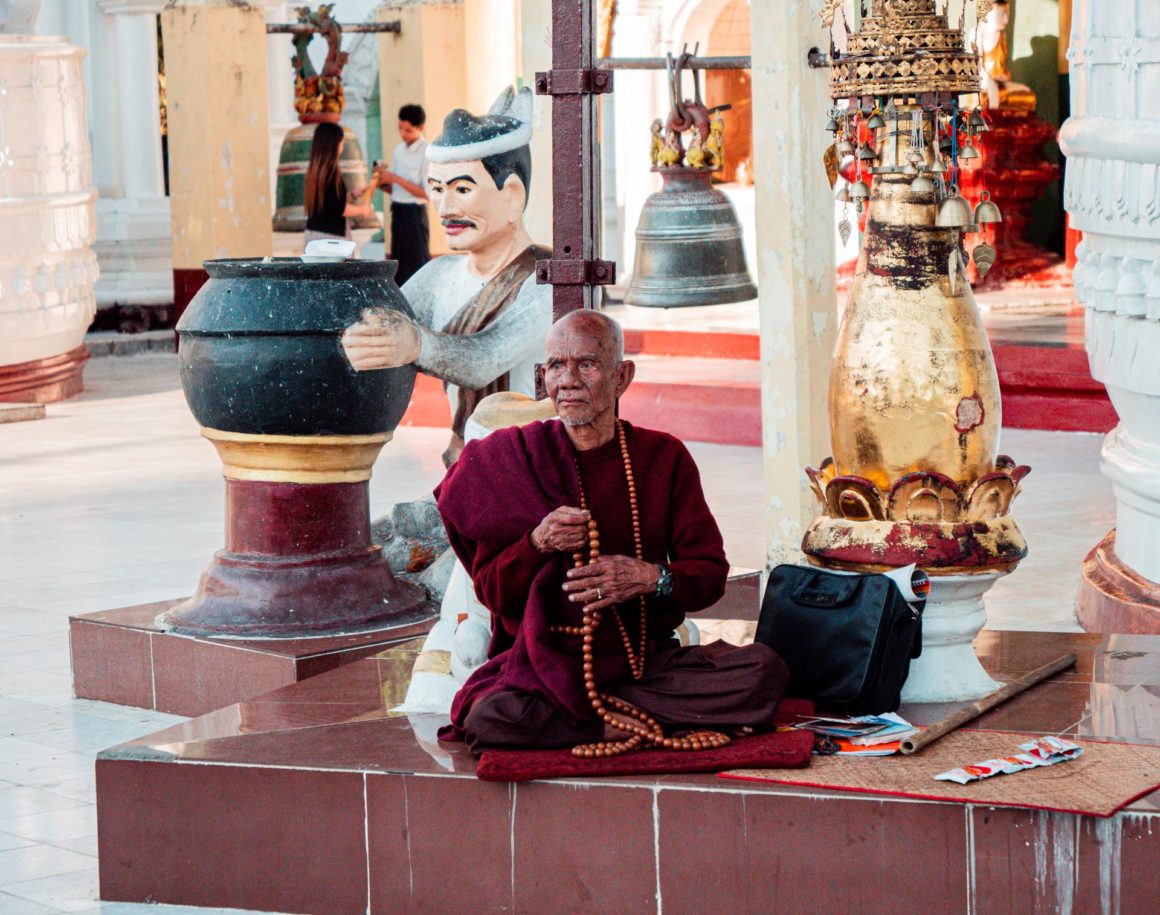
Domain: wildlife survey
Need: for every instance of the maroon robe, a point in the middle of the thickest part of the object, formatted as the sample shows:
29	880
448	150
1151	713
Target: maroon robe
499	491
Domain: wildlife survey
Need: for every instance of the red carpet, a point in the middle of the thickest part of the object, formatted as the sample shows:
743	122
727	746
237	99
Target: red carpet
784	750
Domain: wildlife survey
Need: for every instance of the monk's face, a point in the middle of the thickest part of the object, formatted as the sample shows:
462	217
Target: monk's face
474	212
582	372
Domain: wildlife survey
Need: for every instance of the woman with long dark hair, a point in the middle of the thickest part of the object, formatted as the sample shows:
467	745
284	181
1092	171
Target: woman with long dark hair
328	206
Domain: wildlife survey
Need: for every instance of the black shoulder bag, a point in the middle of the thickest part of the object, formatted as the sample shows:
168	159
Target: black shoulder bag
847	639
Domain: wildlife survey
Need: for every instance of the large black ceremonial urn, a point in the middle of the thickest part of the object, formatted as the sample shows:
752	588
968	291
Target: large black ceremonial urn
297	430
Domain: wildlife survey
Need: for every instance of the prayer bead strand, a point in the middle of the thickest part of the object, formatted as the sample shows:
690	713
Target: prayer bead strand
642	728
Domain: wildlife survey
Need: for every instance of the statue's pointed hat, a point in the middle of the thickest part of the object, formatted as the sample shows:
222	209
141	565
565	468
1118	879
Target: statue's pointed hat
507	126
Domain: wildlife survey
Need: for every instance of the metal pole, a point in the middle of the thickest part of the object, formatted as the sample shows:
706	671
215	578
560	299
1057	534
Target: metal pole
286	28
575	154
658	63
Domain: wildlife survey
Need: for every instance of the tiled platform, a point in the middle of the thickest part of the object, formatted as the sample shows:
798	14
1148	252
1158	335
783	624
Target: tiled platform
123	656
316	798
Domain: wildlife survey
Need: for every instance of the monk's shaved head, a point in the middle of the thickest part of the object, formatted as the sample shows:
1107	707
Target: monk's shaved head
591	323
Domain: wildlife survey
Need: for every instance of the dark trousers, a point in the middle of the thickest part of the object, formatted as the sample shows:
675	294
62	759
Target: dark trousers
410	238
715	686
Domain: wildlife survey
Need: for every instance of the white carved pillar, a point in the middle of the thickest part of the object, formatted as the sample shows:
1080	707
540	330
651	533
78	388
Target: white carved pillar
47	267
279	83
133	229
1112	193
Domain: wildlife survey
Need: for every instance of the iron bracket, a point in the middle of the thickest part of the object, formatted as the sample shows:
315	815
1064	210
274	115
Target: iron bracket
573	82
569	272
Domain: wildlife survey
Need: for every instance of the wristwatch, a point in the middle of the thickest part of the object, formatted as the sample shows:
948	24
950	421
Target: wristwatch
665	580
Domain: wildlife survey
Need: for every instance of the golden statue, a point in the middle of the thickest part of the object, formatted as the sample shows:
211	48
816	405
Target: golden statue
999	89
656	144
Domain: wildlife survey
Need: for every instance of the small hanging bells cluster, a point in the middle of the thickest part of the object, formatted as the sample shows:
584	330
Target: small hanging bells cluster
688	240
933	168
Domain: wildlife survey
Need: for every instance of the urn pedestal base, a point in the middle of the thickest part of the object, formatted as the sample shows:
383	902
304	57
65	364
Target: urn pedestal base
299	561
1113	597
948	670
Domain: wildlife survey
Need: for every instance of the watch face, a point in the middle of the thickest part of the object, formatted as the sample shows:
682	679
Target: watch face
665	582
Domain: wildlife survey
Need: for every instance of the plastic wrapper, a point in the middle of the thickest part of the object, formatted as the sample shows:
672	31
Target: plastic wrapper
1044	751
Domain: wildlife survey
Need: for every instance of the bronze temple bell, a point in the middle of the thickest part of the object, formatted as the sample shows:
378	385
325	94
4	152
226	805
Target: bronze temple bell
688	240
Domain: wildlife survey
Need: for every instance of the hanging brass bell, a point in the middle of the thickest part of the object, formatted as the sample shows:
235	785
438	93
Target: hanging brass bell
832	124
867	154
922	184
876	121
688	246
968	152
953	212
987	211
842	194
860	191
910	169
845	148
977	122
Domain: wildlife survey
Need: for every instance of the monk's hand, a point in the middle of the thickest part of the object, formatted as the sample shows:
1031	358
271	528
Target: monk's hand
383	339
564	530
611	580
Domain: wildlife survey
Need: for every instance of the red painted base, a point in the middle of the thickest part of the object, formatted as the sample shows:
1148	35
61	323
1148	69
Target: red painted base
44	380
186	283
363	811
1114	598
122	656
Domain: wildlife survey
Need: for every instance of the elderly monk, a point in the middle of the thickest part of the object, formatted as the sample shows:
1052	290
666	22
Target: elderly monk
591	512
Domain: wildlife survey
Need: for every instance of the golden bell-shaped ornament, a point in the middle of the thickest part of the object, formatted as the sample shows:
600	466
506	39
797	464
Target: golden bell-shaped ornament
688	246
987	210
953	212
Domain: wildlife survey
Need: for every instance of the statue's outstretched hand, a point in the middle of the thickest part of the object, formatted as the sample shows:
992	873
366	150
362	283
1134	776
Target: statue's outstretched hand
381	340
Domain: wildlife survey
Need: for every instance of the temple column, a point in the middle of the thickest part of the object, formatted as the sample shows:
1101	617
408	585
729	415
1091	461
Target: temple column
132	211
1112	193
795	263
280	82
215	57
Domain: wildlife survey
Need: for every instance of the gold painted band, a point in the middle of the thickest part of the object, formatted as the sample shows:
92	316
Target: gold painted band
306	459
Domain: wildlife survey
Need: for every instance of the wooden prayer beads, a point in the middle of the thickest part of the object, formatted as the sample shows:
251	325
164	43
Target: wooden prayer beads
642	727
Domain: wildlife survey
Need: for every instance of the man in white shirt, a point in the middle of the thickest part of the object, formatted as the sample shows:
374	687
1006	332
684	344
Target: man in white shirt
407	179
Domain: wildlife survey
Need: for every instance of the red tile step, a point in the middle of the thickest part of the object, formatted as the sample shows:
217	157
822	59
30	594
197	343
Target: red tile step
706	387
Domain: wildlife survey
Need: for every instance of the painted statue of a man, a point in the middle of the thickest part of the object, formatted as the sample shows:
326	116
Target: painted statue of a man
480	319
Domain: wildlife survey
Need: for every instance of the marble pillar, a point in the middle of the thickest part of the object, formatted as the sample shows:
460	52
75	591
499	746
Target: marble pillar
133	210
47	219
219	165
795	264
1112	194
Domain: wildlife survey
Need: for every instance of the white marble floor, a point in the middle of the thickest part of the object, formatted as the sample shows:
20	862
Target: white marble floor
114	499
